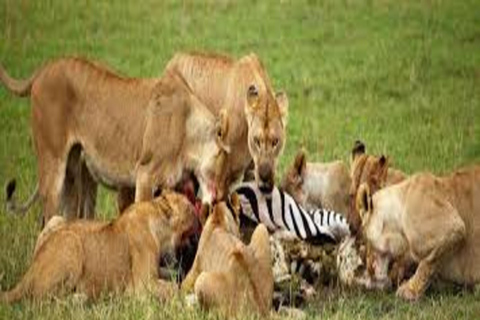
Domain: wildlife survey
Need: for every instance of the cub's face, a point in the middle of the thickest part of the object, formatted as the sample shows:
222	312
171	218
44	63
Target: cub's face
266	118
182	218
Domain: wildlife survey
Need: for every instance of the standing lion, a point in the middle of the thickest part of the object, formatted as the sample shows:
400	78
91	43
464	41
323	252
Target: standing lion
90	124
257	116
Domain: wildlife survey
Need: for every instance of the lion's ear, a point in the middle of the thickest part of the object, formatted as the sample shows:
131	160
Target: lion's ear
282	102
235	203
204	213
300	163
221	130
364	202
358	149
252	96
383	160
383	163
253	101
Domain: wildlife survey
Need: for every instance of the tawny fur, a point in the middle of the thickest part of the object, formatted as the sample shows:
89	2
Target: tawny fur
256	115
376	173
435	221
90	124
318	185
91	257
227	274
372	170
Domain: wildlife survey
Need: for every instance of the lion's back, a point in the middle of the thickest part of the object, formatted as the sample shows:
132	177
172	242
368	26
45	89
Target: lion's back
207	74
465	189
216	253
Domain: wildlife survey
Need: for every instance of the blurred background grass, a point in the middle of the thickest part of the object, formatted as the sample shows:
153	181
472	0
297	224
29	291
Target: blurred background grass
403	76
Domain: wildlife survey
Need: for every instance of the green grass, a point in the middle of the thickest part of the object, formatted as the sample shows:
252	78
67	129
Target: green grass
403	76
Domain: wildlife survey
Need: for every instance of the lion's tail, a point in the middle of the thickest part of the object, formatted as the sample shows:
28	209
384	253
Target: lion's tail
11	205
13	295
21	88
19	291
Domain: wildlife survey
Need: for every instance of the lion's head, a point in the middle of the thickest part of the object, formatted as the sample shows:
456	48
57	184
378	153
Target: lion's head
214	174
266	117
377	261
368	169
180	214
226	215
265	113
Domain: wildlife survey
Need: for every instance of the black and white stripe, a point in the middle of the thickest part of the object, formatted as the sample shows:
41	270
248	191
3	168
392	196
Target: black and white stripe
279	211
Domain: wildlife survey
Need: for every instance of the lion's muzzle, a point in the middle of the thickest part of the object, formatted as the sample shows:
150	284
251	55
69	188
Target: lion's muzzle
265	177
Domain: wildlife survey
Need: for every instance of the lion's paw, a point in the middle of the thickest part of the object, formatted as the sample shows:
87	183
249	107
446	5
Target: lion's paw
191	300
407	293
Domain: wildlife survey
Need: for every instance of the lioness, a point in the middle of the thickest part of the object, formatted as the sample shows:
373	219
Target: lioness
90	124
257	117
90	257
318	185
433	220
370	169
226	273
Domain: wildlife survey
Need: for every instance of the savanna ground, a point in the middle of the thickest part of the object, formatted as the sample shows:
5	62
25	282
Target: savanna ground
403	76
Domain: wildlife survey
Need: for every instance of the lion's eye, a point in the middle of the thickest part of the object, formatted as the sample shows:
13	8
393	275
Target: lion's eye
219	133
275	142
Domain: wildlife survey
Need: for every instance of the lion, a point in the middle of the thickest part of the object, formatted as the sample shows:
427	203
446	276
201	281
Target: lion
377	173
257	117
227	274
318	185
91	257
433	221
90	124
370	169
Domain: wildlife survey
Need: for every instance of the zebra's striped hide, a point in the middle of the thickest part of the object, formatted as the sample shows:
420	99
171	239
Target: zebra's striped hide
279	212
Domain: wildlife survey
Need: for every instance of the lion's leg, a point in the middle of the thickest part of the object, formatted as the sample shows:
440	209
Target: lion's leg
79	189
88	193
151	178
144	271
166	289
145	278
144	184
189	282
51	182
445	244
56	269
159	161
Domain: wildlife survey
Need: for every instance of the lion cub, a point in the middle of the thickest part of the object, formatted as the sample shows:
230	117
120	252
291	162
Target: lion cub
318	185
91	257
372	170
226	273
434	221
